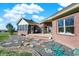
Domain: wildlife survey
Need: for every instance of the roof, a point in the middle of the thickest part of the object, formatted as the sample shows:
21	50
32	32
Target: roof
73	8
31	22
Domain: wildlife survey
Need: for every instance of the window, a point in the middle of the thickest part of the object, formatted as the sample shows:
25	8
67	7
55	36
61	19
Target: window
66	26
61	26
69	22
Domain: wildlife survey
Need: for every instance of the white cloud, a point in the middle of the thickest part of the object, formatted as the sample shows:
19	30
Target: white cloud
38	18
64	4
20	10
60	9
1	19
30	9
12	17
25	8
2	26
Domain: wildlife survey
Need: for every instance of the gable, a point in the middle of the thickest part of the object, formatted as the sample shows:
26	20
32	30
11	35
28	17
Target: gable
23	22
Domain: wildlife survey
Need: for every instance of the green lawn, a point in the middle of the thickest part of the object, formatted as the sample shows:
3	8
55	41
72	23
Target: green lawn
5	35
14	53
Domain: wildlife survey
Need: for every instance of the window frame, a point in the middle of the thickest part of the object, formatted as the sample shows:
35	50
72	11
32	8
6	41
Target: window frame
64	26
61	27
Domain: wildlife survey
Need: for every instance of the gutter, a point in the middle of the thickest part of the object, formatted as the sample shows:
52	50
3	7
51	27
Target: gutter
64	11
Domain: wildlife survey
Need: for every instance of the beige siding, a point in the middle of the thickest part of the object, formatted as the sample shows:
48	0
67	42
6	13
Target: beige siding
23	22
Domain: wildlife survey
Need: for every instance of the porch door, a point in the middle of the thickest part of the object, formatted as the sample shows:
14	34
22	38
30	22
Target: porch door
30	29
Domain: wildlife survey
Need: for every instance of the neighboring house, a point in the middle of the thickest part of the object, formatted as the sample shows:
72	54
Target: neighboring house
65	26
25	26
3	30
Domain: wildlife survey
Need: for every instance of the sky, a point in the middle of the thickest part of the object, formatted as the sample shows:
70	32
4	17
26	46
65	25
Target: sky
12	12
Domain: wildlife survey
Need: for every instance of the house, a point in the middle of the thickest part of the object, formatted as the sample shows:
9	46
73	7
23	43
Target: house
25	26
65	26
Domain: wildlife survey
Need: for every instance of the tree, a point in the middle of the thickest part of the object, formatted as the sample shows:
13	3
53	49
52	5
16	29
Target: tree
10	28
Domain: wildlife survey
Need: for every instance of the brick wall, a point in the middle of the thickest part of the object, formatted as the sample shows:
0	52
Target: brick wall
22	32
68	40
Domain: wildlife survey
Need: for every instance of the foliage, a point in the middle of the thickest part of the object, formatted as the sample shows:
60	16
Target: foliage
76	52
10	28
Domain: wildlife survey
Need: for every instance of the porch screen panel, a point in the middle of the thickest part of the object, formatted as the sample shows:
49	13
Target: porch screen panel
18	28
25	27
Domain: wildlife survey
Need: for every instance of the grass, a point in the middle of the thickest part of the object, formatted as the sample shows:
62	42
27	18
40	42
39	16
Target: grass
5	35
14	53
